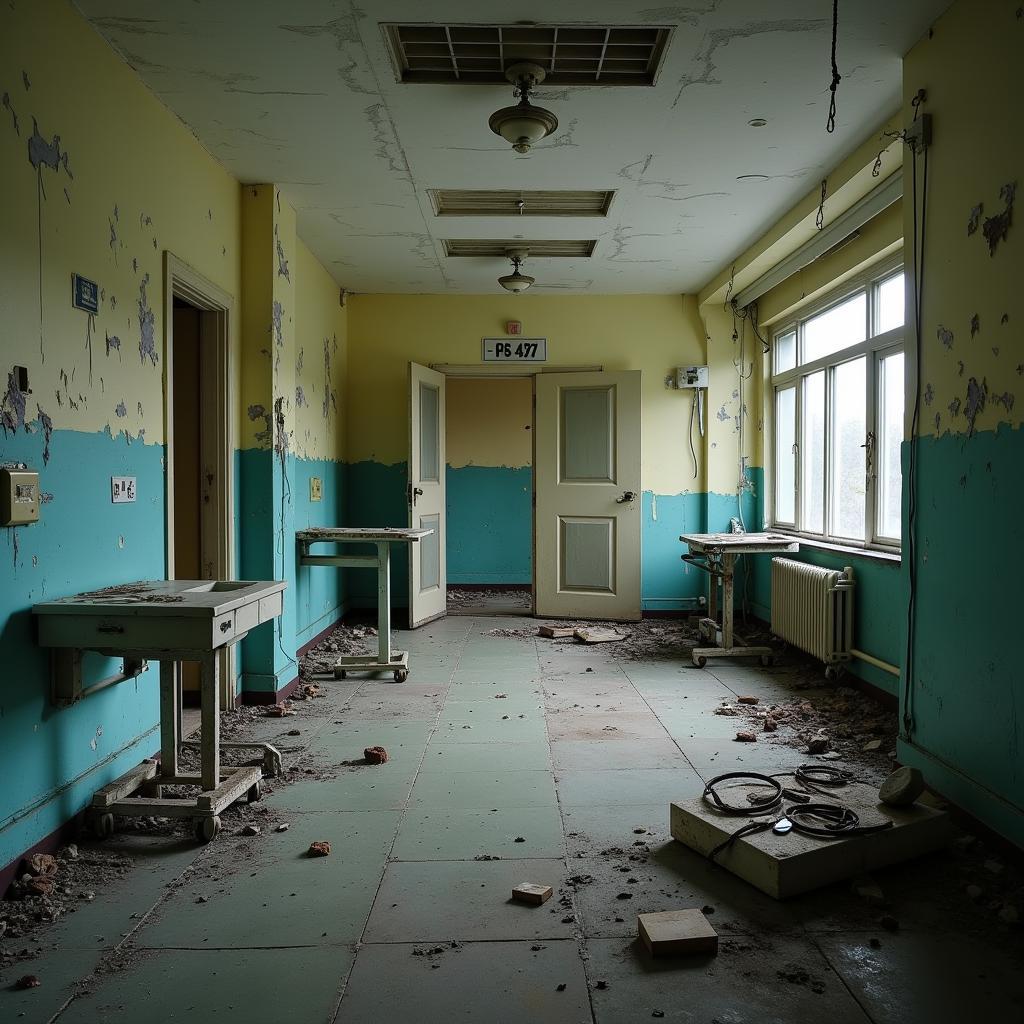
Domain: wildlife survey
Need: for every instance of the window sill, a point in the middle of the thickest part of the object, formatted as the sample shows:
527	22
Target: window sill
816	544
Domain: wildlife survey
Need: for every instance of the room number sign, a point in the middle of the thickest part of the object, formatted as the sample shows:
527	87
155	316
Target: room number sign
515	350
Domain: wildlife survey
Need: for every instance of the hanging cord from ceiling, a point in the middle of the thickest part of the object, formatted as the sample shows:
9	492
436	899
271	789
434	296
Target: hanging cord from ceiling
819	217
693	409
919	200
830	124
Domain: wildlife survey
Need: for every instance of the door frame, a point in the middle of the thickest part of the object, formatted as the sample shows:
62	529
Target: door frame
504	371
217	396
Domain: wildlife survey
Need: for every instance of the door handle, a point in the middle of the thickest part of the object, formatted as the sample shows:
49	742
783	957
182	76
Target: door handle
627	496
414	493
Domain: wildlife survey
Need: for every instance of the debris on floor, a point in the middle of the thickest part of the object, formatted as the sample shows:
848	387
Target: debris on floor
278	711
375	755
743	736
531	892
555	632
507	600
674	932
598	635
319	848
342	641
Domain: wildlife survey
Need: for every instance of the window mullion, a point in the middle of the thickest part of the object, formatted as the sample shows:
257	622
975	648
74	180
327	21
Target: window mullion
873	425
829	440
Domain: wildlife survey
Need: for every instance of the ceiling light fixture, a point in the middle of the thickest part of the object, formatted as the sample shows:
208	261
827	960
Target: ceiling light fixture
757	122
516	282
523	124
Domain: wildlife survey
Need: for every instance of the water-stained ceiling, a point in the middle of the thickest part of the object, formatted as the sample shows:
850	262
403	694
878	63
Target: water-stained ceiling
304	93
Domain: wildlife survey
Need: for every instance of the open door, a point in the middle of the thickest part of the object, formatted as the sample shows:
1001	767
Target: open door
428	586
587	518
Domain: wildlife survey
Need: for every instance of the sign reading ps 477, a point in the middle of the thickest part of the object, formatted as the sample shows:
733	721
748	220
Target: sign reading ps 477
515	350
85	294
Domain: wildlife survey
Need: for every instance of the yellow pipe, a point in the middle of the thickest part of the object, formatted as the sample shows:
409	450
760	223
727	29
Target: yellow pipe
877	662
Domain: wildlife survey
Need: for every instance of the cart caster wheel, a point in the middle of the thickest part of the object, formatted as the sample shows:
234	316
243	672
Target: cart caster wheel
401	675
255	792
102	825
207	828
766	660
700	662
831	674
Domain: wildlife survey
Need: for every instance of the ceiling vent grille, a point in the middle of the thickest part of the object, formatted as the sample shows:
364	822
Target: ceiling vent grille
485	203
498	247
570	54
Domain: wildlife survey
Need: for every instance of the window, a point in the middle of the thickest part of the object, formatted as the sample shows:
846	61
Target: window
837	387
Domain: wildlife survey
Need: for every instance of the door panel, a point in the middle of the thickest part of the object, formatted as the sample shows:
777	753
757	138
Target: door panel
587	466
426	494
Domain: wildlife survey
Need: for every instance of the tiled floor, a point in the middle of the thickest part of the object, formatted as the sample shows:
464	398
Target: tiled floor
550	758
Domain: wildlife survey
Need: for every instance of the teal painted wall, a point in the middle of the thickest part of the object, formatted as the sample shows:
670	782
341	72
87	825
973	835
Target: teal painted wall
490	517
61	756
319	591
967	697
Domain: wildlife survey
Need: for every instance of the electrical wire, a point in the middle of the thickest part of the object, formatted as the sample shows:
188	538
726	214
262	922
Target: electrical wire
693	451
830	124
919	237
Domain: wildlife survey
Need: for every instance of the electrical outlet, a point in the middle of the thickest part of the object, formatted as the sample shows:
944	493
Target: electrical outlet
316	489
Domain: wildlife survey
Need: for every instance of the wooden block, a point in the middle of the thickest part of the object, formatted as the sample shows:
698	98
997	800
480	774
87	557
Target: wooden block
531	892
598	635
675	932
555	632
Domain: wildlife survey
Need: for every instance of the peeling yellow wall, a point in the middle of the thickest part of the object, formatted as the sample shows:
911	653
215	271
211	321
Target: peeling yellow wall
967	65
118	181
321	351
489	422
653	333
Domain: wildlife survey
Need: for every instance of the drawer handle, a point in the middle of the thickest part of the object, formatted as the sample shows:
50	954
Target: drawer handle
110	629
225	626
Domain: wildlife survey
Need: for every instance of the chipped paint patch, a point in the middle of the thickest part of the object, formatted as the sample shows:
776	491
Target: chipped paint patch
945	335
929	394
113	344
977	396
147	326
975	324
995	229
47	424
120	410
1006	400
12	409
282	262
259	412
974	218
300	397
6	102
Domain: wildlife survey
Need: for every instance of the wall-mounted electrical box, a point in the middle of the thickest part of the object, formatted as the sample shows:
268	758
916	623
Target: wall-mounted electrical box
691	376
316	489
19	497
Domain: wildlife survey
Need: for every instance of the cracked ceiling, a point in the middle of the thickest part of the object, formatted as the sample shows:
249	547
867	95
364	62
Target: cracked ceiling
303	94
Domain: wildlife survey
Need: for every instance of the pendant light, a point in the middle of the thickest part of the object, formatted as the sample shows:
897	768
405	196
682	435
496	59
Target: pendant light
523	124
516	282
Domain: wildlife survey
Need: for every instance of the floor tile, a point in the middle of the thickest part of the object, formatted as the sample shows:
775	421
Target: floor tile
579	755
604	725
481	790
593	828
629	786
363	788
442	756
497	982
271	893
190	985
428	834
444	900
741	985
925	977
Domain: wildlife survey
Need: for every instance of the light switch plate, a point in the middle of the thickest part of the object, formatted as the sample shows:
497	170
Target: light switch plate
316	489
19	497
122	489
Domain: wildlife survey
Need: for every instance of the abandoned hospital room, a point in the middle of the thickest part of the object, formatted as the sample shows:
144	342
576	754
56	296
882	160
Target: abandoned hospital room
507	513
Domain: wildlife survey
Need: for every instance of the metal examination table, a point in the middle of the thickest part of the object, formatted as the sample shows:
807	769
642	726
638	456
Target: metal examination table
383	538
169	621
716	554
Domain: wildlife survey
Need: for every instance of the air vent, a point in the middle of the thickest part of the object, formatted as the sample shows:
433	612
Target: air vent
570	54
499	246
483	203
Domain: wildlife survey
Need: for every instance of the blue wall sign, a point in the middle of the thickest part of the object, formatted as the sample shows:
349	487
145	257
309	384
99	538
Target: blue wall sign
85	294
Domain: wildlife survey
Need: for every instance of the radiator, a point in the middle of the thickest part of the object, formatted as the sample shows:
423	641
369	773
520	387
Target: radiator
812	608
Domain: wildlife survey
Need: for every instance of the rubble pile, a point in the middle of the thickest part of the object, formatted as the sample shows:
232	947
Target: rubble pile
342	641
50	886
460	598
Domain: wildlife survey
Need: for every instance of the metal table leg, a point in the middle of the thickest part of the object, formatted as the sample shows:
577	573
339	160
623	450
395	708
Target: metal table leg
730	645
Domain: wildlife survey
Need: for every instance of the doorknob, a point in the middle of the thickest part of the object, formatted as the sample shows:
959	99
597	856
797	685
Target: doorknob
627	496
414	493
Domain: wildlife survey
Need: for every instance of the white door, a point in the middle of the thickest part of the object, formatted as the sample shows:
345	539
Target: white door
426	495
588	495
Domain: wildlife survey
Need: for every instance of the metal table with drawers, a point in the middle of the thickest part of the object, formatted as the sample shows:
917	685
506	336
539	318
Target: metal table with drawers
716	554
169	621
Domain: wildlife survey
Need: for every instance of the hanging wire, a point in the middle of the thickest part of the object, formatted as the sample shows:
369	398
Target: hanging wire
693	451
819	217
830	125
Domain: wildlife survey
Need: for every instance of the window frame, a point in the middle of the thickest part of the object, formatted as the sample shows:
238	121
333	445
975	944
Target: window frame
873	349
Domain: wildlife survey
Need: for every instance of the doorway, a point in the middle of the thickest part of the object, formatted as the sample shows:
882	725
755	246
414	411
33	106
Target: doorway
489	501
199	435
